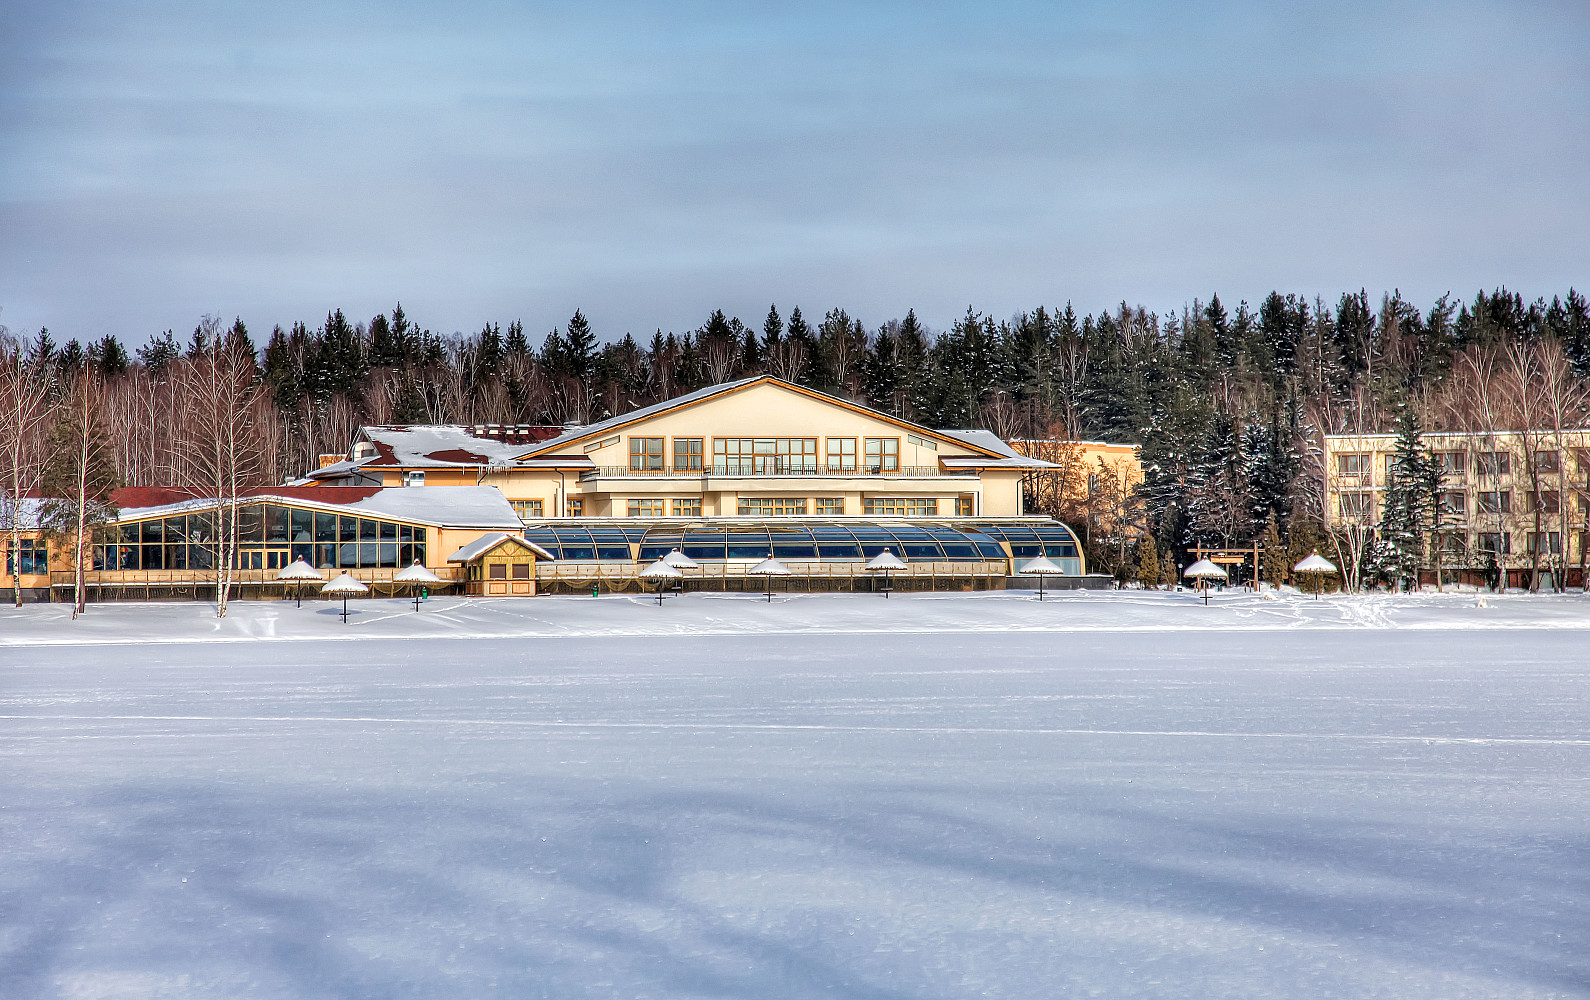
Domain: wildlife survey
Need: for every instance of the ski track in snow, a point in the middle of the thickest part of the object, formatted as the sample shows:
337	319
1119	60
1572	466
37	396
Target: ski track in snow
1112	795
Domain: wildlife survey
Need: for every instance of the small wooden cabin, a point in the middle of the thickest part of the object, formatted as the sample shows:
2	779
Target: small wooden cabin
499	565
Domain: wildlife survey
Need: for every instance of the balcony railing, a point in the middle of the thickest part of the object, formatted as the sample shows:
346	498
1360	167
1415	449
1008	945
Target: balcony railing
769	469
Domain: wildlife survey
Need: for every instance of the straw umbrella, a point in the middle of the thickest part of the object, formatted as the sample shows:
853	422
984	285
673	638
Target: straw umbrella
1042	567
1203	571
1318	567
767	569
344	585
416	575
298	572
678	560
885	562
662	573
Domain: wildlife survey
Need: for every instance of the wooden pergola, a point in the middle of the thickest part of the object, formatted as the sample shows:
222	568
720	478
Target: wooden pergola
1235	557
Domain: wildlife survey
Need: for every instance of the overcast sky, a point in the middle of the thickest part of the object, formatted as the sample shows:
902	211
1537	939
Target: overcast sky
650	162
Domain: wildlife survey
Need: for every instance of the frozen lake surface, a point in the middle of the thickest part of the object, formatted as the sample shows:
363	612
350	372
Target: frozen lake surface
1107	795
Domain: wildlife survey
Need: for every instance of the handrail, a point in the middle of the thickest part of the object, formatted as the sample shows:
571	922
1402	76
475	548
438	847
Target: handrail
737	470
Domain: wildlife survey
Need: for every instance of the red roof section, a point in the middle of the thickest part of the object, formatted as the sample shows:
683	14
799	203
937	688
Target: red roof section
457	455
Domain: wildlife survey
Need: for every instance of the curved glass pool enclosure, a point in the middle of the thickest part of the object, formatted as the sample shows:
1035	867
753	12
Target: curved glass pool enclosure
814	550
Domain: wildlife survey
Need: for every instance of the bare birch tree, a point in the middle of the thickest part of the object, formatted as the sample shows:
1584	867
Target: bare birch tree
222	391
26	409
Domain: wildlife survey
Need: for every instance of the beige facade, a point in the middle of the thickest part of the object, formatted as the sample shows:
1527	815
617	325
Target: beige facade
759	447
1514	495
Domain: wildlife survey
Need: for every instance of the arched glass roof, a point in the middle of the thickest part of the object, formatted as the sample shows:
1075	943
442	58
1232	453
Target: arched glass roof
717	541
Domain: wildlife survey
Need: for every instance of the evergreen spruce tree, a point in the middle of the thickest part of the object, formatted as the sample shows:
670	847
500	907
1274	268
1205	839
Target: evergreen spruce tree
1408	507
158	354
580	347
1148	568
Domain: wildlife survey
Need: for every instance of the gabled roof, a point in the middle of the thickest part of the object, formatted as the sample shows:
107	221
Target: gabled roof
486	543
988	441
605	427
422	446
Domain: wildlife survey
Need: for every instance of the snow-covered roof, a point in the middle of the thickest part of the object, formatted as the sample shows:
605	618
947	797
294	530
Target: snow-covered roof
24	515
440	506
485	543
989	441
596	429
977	440
452	506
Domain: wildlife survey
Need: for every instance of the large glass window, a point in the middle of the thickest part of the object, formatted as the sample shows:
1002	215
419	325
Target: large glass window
687	454
763	456
646	508
883	454
1495	502
901	506
645	453
34	558
1352	465
772	506
841	454
1493	463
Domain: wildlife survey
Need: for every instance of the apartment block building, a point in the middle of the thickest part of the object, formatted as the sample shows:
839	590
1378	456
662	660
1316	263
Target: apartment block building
1520	498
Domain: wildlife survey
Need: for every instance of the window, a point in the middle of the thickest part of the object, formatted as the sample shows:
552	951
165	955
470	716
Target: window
1547	461
1493	463
645	453
829	506
1452	543
901	506
1499	542
1581	461
883	454
1545	543
1454	504
687	506
963	506
841	454
1352	465
763	456
687	454
521	571
576	508
1452	463
1356	505
922	442
772	506
33	555
527	509
1546	501
1496	502
497	571
605	442
1093	483
413	479
646	508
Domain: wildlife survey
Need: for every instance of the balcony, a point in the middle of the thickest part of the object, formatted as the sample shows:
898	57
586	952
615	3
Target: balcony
774	470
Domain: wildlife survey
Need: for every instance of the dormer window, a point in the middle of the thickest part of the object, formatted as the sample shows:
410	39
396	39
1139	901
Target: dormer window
363	450
413	479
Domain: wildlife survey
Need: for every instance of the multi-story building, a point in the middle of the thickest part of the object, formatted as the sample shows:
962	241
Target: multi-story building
1520	498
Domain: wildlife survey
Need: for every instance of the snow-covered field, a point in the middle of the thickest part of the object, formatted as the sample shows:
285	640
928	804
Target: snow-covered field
1108	795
